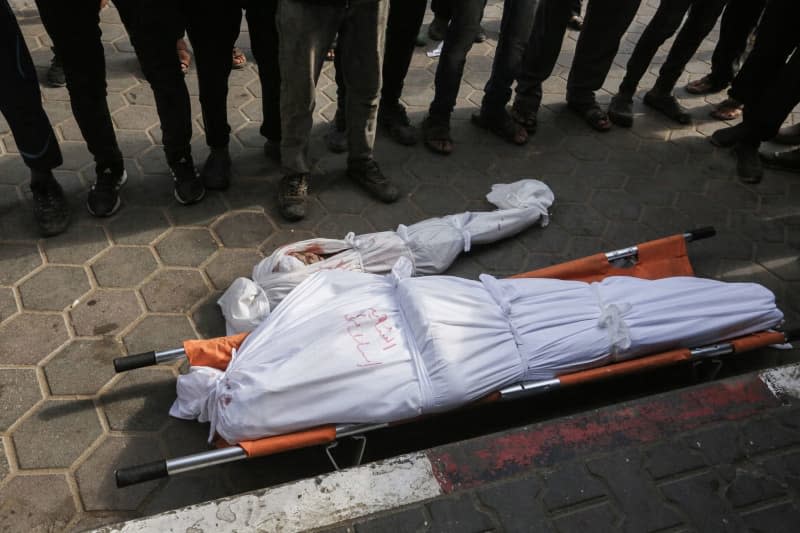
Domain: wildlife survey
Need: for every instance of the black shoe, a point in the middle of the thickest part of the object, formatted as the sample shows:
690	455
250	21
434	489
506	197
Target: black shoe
49	204
189	187
394	119
103	199
669	106
292	196
480	36
421	40
370	178
788	160
727	137
438	29
620	110
216	171
272	150
55	74
748	164
575	23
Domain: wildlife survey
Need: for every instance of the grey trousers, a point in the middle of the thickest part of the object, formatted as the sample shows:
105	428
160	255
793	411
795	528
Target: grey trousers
305	32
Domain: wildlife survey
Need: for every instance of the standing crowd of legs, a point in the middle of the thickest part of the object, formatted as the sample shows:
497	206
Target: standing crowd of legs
375	39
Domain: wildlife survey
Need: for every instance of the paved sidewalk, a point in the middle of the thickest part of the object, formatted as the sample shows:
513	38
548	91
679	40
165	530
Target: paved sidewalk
722	456
149	277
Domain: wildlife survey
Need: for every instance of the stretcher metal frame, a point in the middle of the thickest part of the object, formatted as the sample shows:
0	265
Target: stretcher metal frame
329	434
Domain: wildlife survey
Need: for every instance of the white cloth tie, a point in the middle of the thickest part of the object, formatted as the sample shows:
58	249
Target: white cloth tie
458	224
619	335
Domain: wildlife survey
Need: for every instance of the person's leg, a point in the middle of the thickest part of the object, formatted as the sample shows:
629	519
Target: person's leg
336	138
539	59
605	23
21	105
466	20
75	32
301	55
264	41
362	41
212	28
442	13
738	21
405	19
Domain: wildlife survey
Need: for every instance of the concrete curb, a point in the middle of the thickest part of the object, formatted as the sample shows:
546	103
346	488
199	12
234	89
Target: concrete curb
357	492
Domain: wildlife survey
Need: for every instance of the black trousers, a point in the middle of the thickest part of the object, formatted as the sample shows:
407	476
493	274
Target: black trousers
738	21
20	99
402	27
154	27
767	84
702	15
605	23
442	8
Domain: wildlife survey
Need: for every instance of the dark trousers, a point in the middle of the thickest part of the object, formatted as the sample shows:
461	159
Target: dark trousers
541	53
402	26
20	99
768	86
442	8
154	27
702	16
605	23
464	25
738	21
515	32
575	7
260	16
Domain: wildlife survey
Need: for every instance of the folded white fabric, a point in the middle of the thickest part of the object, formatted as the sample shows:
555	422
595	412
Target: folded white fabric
431	245
347	347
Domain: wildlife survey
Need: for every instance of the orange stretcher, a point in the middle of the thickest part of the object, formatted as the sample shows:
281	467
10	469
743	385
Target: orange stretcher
650	260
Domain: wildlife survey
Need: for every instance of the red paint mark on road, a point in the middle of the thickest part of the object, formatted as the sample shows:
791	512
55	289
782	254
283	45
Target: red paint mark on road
472	463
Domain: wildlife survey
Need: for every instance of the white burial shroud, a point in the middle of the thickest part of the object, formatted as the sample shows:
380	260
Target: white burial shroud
431	245
347	347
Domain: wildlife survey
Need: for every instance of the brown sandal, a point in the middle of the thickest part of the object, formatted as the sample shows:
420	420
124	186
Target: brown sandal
436	135
184	57
705	85
503	126
728	109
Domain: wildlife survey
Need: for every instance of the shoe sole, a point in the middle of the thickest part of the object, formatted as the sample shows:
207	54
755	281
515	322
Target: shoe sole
117	205
188	202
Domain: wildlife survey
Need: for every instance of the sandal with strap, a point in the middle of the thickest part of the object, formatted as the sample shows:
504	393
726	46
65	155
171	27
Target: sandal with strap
501	125
239	59
436	135
184	57
728	109
595	117
705	85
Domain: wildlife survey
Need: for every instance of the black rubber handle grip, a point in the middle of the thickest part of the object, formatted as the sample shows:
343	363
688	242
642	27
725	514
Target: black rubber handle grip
139	474
702	233
123	364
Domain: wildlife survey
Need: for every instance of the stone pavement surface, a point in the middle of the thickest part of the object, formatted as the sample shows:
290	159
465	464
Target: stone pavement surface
148	277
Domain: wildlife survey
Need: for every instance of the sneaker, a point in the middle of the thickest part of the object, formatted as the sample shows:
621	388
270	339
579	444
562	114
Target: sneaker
438	28
55	74
394	119
189	187
370	178
292	196
103	199
49	204
480	36
216	173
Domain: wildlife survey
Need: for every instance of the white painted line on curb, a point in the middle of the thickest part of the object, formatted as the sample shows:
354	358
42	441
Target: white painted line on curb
305	504
783	380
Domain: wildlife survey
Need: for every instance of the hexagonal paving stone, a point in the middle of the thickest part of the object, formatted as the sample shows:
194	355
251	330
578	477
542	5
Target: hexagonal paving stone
17	260
56	433
16	336
124	266
174	291
186	247
36	503
343	196
136	117
438	200
140	401
98	492
388	217
19	391
105	312
77	246
208	317
501	259
782	261
3	463
338	225
198	214
82	366
158	333
231	264
244	230
579	219
616	205
552	239
138	226
54	288
8	305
